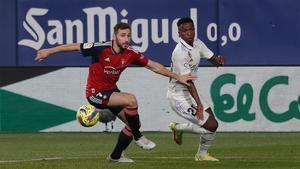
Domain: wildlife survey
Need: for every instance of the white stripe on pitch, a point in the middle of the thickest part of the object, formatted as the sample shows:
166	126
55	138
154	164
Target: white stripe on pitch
71	158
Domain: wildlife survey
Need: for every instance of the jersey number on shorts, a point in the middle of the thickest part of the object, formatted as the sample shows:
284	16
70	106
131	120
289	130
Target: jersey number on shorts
192	110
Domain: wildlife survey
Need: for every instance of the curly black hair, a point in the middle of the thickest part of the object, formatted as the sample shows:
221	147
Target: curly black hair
184	20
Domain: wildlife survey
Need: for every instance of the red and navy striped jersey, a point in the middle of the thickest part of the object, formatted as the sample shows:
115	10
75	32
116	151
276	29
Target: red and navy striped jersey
107	66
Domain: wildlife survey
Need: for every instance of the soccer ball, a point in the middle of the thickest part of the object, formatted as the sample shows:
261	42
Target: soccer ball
87	115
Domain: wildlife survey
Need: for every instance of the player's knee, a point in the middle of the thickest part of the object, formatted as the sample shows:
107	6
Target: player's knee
211	124
131	101
215	125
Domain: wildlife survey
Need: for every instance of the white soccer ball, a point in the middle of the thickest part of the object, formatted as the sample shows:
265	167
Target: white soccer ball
87	115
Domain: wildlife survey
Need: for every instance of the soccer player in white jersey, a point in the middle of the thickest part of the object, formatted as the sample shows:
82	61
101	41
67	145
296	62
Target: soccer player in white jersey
185	100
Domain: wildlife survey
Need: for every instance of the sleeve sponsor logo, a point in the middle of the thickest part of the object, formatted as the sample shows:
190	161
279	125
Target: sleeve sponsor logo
96	44
88	45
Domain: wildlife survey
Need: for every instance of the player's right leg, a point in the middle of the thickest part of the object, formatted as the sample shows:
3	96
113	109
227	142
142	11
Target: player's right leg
129	115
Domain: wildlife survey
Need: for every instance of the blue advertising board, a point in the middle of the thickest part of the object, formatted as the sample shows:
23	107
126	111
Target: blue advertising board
47	23
246	32
260	32
8	33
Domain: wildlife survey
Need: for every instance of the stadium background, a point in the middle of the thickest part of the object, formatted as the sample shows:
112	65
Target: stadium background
257	90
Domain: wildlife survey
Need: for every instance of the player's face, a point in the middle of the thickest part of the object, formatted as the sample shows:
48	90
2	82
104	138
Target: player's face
122	38
187	32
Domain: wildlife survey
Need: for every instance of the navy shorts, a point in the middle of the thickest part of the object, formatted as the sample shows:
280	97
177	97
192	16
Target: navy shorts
101	99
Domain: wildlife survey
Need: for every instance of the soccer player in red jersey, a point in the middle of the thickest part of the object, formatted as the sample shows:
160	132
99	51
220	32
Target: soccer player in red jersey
109	60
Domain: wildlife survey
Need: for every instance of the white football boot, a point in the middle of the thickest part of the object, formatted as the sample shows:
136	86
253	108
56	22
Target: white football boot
122	159
145	143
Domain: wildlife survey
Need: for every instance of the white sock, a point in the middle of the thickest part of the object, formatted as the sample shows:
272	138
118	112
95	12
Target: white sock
206	140
206	136
190	127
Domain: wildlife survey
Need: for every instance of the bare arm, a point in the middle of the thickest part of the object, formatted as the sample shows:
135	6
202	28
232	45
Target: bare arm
44	53
193	91
160	69
217	60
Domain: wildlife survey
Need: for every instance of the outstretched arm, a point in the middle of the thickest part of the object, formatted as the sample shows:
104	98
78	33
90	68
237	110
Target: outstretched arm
44	53
160	69
217	60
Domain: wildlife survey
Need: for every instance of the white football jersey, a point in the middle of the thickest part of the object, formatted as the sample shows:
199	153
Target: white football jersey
186	59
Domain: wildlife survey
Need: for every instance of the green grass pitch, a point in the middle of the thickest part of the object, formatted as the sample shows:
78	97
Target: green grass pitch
89	151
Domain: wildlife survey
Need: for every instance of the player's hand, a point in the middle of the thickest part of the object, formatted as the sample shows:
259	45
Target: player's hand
42	54
185	79
220	60
200	112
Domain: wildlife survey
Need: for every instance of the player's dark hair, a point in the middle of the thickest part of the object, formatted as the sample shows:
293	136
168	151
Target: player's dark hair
184	20
121	26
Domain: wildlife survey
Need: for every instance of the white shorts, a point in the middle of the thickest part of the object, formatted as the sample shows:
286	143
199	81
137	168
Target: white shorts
186	109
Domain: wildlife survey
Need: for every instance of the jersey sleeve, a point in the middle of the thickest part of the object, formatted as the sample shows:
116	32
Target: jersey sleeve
179	62
92	49
138	58
205	52
142	60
